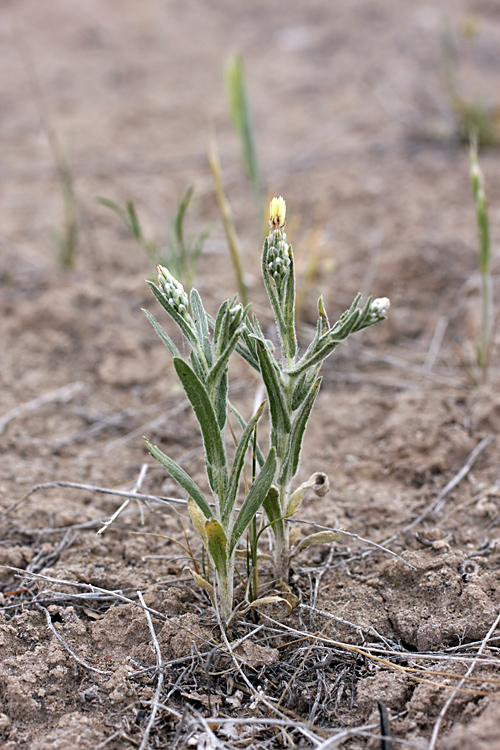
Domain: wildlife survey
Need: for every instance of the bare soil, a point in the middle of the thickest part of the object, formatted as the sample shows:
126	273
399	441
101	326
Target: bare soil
354	128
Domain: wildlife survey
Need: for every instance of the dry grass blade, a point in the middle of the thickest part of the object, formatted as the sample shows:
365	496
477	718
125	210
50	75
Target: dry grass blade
458	689
68	648
93	488
86	586
159	687
123	506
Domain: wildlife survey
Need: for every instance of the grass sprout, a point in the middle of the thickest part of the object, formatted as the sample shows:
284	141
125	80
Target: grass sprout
227	219
243	125
471	114
481	204
178	253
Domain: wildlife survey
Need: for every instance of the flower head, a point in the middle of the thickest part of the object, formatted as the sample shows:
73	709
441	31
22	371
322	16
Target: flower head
173	291
380	307
277	213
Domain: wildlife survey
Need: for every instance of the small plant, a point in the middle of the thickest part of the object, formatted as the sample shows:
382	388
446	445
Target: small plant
292	386
178	253
481	204
471	114
242	123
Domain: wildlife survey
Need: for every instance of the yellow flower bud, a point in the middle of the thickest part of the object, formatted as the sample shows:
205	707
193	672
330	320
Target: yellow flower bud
277	213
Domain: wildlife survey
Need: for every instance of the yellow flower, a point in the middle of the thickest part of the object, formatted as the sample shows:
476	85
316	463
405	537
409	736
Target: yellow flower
277	213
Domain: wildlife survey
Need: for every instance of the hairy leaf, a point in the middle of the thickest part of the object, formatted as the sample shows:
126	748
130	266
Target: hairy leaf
182	478
215	451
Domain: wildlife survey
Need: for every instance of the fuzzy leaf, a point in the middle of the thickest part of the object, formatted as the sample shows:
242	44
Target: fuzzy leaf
255	498
215	451
270	600
161	333
220	400
243	424
290	462
302	387
182	478
198	518
277	405
272	506
217	545
321	537
290	341
202	583
201	324
238	461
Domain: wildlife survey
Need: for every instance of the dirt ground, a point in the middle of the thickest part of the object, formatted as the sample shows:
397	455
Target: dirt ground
355	129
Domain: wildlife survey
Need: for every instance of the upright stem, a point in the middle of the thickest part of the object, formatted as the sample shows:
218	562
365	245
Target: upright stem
224	591
484	338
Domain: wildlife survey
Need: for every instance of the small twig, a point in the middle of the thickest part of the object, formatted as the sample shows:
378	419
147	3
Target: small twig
274	708
126	502
88	586
92	488
435	344
68	648
159	687
385	727
442	713
356	536
63	394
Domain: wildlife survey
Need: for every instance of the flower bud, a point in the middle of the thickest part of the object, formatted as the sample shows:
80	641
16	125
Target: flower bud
277	213
380	307
173	291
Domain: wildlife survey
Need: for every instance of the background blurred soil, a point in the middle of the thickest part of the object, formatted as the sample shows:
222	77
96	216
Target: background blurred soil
354	128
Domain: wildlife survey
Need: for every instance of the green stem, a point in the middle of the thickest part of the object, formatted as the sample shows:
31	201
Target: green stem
484	339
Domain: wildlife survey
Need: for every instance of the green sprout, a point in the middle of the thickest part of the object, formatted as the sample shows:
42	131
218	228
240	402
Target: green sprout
181	255
292	386
242	123
481	203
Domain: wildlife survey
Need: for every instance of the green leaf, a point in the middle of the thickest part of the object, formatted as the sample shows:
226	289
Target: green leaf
215	451
290	462
240	114
220	325
118	210
223	358
182	478
246	345
302	387
243	424
201	324
161	333
277	405
271	505
255	498
237	467
179	218
220	399
133	220
289	310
